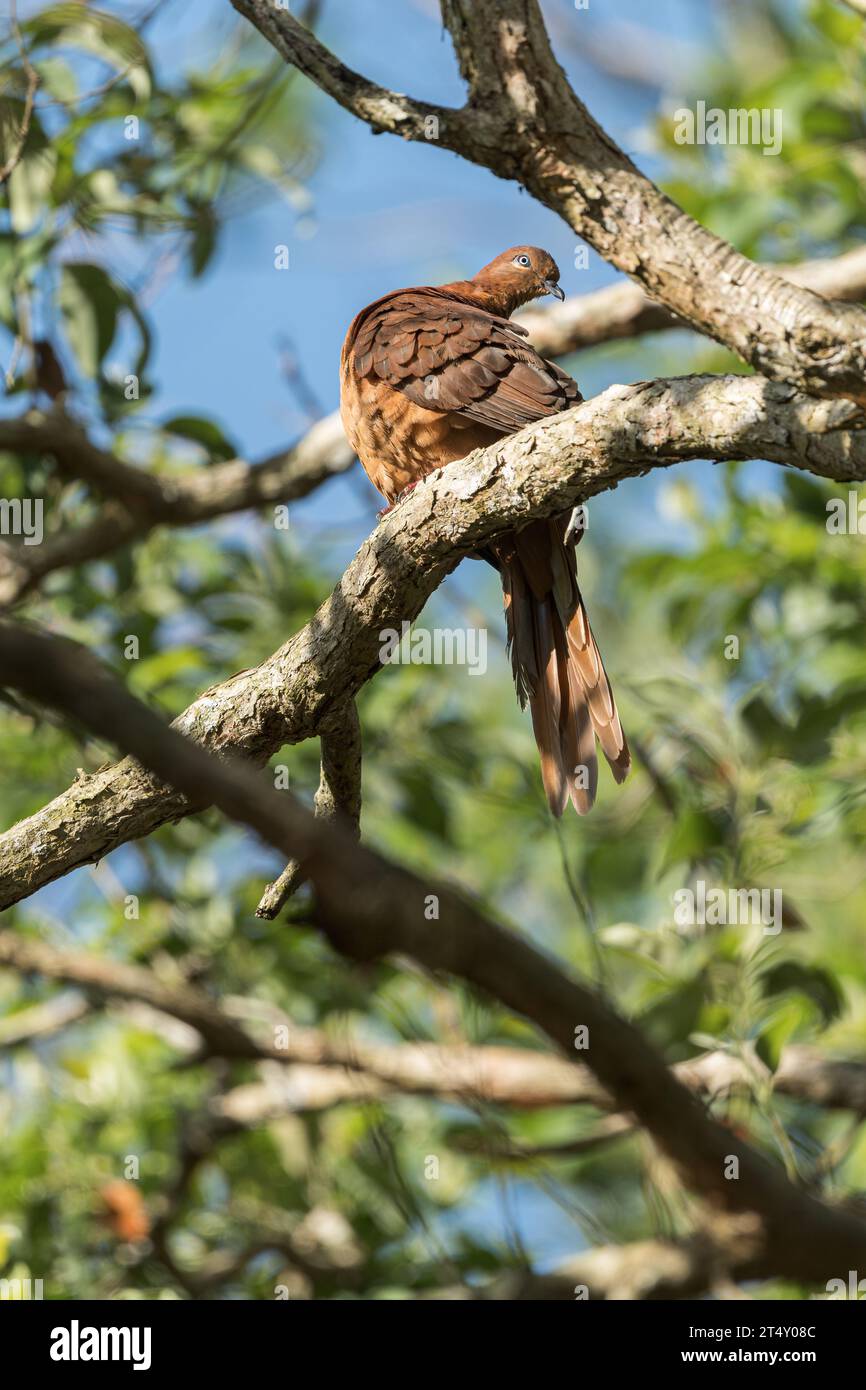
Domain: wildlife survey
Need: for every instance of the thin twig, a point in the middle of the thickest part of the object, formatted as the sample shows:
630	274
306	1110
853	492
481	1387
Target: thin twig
29	96
338	797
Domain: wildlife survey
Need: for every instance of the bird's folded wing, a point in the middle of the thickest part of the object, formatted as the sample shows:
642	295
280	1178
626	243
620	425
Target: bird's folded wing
453	356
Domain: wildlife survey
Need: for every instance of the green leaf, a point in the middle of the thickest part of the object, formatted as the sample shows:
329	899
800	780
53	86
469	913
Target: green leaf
807	496
103	35
204	240
29	184
153	672
778	1031
811	981
674	1017
203	432
58	78
693	836
424	804
90	302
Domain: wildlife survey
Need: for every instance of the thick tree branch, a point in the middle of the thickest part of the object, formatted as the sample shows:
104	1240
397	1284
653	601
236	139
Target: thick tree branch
524	122
624	310
381	109
370	909
542	471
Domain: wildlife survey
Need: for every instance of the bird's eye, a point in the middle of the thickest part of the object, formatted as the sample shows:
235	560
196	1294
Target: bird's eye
521	260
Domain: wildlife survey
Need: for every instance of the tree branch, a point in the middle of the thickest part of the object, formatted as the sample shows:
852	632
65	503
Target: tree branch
326	1071
624	311
381	109
77	457
140	501
116	980
42	1020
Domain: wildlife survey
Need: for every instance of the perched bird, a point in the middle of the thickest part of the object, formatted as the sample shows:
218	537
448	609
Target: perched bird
429	374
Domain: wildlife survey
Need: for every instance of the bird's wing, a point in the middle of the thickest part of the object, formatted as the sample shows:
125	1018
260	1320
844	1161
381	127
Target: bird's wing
450	355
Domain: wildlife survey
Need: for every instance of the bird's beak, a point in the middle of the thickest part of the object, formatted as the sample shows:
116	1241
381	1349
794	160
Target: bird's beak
551	288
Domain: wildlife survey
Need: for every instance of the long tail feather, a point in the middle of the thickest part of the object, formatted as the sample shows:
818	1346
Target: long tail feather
557	666
545	703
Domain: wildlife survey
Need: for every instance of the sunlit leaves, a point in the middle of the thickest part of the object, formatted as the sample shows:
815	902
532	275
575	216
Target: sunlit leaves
115	146
92	31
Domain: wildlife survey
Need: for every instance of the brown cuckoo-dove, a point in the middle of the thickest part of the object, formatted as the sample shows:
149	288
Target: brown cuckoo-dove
428	375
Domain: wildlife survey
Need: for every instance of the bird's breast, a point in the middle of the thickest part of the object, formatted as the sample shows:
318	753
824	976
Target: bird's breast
397	441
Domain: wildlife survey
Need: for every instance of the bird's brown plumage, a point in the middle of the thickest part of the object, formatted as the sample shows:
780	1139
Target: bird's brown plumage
427	375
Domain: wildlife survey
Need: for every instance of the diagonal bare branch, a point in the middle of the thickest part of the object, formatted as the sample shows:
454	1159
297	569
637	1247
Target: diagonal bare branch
382	109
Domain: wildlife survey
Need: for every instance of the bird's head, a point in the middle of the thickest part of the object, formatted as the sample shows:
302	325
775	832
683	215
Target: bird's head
521	274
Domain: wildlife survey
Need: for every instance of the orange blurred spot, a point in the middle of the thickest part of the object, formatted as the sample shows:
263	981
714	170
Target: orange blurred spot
125	1211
